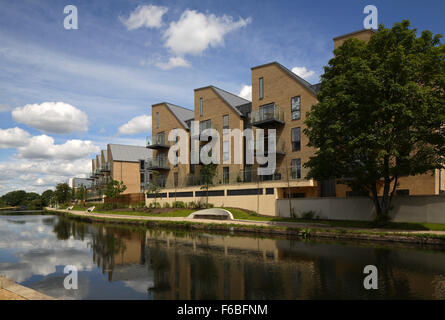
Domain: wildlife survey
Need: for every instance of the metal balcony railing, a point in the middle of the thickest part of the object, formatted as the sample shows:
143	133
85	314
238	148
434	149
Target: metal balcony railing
158	142
105	167
158	163
267	115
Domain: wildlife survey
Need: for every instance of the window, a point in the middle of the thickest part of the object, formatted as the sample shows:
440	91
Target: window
207	124
142	178
225	174
296	168
226	121
142	165
160	138
176	160
267	112
296	139
157	120
248	173
176	179
296	108
261	88
201	107
226	154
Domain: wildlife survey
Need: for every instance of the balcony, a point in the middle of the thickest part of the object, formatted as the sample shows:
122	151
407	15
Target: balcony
267	116
158	142
280	147
105	167
158	163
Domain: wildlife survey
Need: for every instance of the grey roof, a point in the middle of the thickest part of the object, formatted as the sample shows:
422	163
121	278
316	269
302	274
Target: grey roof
77	182
181	113
303	82
105	153
126	153
316	87
232	99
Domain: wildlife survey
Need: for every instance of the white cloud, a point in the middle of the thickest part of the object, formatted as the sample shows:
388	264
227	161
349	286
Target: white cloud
303	72
4	108
194	32
13	138
173	62
136	125
145	16
55	117
43	147
246	92
37	175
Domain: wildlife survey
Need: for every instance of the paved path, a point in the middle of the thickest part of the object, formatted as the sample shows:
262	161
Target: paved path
9	290
244	222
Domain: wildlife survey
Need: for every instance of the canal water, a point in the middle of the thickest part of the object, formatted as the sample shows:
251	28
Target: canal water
122	262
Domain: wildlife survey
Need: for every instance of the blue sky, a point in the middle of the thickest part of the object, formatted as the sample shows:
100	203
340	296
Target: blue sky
112	69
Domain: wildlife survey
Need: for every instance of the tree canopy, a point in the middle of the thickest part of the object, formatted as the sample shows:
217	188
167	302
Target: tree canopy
381	112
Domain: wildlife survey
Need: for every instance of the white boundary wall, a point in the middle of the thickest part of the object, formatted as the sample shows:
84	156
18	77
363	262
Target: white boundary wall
429	209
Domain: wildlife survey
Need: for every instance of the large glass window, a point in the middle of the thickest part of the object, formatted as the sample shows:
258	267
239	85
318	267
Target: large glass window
226	151
296	108
261	88
201	107
225	174
160	138
296	139
267	112
296	168
226	121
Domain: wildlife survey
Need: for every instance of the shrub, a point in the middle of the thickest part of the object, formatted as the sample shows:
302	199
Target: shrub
178	204
308	215
166	205
191	205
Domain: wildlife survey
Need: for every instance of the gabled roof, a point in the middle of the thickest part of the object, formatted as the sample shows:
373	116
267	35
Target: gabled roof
300	80
181	113
231	99
354	32
105	154
126	153
316	87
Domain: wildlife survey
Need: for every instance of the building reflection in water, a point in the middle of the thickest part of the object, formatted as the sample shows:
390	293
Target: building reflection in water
183	265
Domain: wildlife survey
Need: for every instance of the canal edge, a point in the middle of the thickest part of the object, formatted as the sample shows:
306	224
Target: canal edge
301	232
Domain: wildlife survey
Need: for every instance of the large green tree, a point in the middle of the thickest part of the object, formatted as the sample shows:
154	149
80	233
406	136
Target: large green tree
15	198
381	113
63	193
46	197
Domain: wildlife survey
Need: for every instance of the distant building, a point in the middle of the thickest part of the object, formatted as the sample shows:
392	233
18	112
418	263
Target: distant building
119	162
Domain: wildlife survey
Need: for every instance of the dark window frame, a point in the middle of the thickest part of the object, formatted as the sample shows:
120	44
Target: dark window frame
298	110
296	142
261	88
201	107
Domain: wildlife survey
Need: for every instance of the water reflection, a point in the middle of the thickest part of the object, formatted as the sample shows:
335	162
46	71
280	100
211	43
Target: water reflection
137	263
